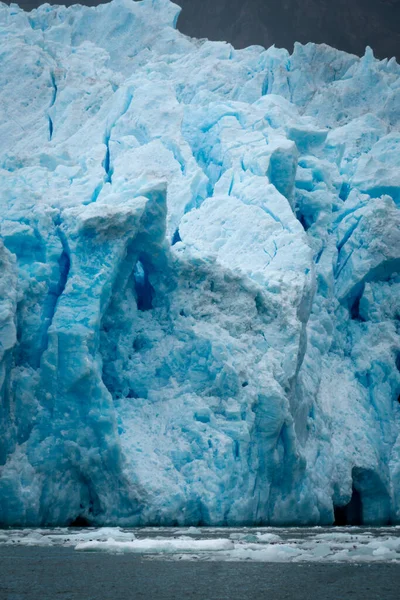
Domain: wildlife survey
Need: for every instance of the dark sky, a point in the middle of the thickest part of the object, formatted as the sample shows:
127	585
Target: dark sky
346	24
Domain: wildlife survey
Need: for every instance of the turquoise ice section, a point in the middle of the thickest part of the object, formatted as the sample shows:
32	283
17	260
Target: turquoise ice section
199	275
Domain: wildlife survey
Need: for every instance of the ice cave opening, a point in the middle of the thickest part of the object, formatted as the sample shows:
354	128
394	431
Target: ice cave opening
350	513
369	503
143	288
80	522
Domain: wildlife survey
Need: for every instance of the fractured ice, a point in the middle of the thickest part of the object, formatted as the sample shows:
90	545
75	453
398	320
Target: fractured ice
199	276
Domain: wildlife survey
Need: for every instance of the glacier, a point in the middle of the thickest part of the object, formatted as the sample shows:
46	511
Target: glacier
200	276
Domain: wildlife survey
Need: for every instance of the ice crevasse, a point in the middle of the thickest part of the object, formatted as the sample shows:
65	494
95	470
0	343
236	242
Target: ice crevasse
199	275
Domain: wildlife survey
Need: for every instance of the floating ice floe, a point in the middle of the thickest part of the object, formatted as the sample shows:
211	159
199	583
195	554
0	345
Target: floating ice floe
285	545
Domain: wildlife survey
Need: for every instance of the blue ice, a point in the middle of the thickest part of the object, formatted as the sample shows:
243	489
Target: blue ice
200	276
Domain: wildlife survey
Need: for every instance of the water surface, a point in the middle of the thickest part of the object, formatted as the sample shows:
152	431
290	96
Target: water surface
52	573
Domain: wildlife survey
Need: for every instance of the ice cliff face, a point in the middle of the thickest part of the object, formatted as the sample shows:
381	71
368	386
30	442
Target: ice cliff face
200	275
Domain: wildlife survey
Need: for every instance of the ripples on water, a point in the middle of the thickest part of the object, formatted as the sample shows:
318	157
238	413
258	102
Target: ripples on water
262	544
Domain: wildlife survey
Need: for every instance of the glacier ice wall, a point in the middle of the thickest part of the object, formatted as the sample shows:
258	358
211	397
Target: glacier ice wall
200	275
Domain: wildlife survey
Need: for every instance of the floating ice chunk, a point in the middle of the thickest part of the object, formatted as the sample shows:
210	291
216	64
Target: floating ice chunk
149	546
279	545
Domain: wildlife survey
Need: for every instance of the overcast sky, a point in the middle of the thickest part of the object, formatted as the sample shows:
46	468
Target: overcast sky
346	24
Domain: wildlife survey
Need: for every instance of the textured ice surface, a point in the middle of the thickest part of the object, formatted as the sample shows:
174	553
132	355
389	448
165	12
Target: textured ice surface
200	275
348	544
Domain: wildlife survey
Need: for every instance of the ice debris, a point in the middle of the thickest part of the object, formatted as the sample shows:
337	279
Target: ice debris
350	544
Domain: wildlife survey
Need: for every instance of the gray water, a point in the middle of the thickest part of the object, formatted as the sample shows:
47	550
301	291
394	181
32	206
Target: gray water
37	573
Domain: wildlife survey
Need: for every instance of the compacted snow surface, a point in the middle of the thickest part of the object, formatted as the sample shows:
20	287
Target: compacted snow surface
353	544
199	282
